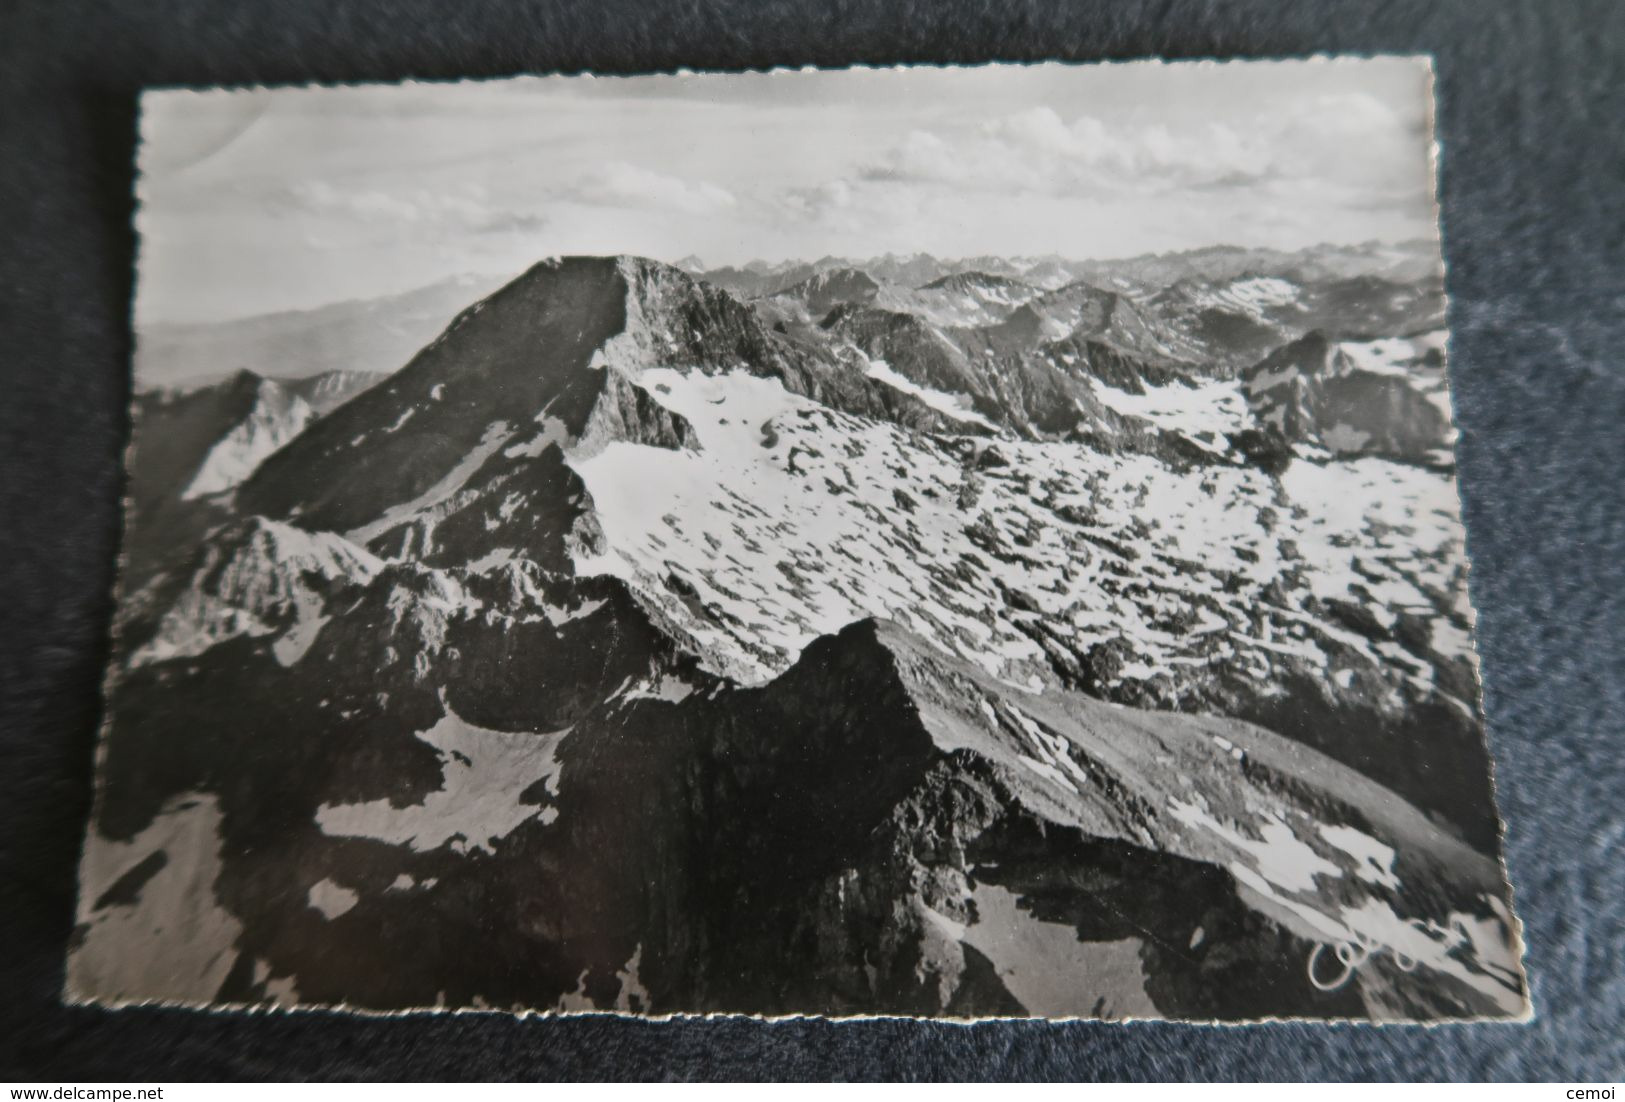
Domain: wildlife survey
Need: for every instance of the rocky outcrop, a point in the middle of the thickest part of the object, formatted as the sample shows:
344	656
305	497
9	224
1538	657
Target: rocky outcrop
1312	391
628	413
1114	366
253	577
829	289
206	440
329	390
908	345
1235	320
525	506
275	417
968	298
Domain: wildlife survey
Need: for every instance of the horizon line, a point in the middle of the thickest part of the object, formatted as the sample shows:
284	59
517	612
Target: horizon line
703	268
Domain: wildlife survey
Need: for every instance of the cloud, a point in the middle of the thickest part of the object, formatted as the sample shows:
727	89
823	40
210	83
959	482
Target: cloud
862	209
463	209
820	199
620	183
1038	151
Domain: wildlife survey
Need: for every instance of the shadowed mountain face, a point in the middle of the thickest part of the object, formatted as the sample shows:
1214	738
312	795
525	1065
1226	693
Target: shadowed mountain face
981	644
1373	398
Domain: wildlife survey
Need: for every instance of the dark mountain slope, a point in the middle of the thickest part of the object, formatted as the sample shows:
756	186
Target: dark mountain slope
914	838
526	354
823	292
189	447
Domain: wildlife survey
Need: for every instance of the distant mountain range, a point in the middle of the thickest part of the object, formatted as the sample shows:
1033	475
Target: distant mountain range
895	637
369	335
381	334
1402	262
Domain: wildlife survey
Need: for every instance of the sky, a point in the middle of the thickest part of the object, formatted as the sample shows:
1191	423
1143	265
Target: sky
259	200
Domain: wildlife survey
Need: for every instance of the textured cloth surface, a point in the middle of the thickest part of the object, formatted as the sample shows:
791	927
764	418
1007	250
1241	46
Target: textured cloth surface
1533	188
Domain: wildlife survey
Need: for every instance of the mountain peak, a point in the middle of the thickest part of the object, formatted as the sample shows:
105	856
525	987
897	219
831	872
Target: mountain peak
976	280
528	358
831	288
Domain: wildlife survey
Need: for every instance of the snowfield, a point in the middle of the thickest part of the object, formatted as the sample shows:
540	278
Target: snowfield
480	799
785	535
956	406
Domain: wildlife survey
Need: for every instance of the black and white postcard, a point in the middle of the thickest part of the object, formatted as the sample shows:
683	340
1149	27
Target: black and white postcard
949	542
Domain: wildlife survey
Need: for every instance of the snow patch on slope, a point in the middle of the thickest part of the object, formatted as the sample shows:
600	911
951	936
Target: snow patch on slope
1391	529
1278	854
1253	296
1215	408
785	555
956	406
484	773
331	898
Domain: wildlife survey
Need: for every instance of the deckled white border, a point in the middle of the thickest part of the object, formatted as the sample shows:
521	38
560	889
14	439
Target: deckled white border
71	997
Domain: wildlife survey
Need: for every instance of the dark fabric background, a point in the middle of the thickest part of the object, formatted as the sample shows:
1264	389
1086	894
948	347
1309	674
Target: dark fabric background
1533	177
